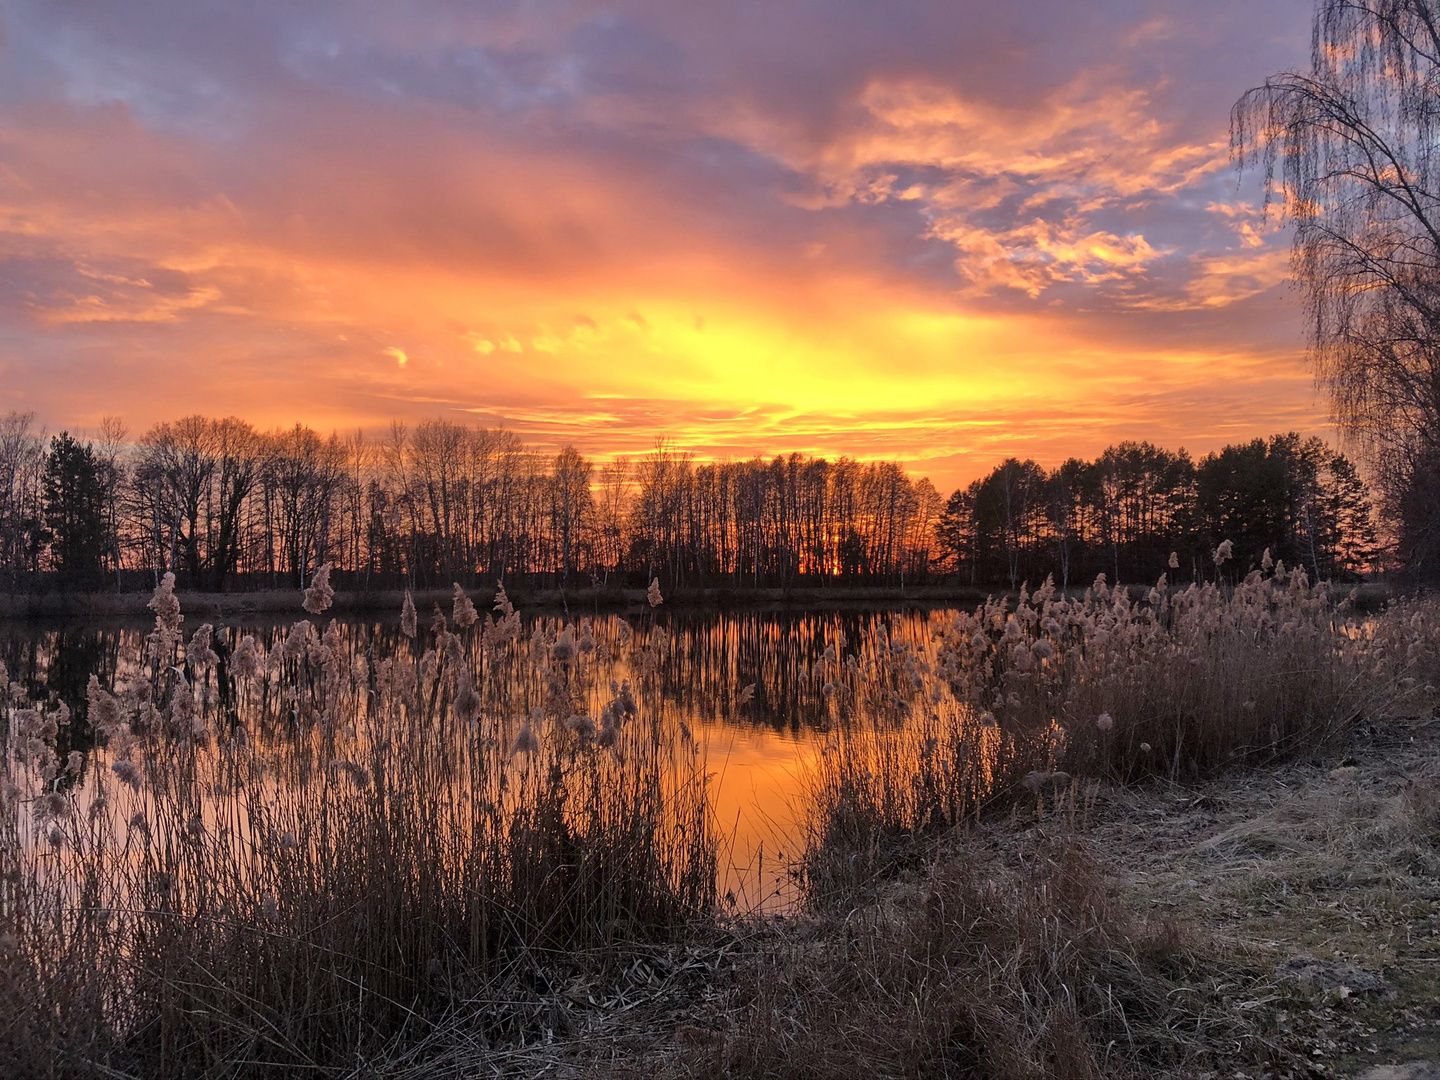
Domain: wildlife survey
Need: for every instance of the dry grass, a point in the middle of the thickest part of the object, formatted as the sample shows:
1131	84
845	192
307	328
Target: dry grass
1019	705
473	859
1025	967
296	863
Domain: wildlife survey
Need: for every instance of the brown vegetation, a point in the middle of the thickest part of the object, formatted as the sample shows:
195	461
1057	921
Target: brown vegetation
300	858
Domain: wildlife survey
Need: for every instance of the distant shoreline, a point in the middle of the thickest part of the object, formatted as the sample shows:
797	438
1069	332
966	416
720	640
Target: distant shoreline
22	606
608	599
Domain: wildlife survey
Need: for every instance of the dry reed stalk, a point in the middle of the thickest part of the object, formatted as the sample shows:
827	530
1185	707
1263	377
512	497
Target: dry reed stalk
290	864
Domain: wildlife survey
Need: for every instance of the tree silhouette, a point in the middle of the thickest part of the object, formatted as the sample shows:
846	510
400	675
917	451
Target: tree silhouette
1349	150
74	493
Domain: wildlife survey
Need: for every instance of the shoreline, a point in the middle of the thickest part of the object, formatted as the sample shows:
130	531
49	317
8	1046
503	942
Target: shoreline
25	607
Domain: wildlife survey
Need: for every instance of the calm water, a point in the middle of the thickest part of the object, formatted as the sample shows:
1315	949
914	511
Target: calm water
758	752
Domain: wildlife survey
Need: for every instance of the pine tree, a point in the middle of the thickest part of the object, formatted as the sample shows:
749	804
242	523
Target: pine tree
74	493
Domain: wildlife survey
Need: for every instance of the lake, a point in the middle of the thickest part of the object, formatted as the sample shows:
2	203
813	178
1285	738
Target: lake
750	688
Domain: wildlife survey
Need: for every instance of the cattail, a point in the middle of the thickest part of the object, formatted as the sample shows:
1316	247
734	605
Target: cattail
407	616
52	806
626	699
127	773
466	705
525	742
37	725
166	635
463	613
581	726
652	594
182	706
297	639
454	652
319	596
104	710
564	647
198	654
245	660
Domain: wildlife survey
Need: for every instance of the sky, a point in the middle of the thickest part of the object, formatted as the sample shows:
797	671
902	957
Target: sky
943	233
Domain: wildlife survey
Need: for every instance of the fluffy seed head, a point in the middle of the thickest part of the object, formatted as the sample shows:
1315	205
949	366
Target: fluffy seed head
319	596
463	613
525	742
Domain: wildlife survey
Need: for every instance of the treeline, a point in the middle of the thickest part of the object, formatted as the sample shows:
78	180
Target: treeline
226	506
1126	512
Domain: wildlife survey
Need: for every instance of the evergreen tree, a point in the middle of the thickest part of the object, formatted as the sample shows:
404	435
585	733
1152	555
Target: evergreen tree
74	493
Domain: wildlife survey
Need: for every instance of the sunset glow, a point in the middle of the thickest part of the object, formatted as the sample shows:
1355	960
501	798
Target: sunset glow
933	233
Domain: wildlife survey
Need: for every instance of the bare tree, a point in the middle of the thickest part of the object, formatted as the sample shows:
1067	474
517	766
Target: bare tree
109	451
1349	149
22	459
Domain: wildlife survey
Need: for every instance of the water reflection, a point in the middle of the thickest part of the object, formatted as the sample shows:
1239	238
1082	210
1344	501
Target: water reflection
751	686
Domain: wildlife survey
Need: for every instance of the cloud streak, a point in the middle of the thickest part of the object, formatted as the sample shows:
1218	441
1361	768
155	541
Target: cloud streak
934	232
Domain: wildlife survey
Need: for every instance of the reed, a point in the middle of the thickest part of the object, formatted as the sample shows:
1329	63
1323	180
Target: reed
1026	702
286	859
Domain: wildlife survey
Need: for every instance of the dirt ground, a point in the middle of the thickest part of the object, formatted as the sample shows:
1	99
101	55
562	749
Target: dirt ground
1322	879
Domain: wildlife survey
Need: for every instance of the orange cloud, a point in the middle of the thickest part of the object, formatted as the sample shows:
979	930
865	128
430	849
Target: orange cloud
598	230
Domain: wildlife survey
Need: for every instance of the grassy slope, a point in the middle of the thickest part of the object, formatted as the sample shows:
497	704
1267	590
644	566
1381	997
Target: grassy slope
1185	903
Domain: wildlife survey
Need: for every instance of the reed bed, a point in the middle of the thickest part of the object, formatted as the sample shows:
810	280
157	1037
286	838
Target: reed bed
1030	702
315	853
293	859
